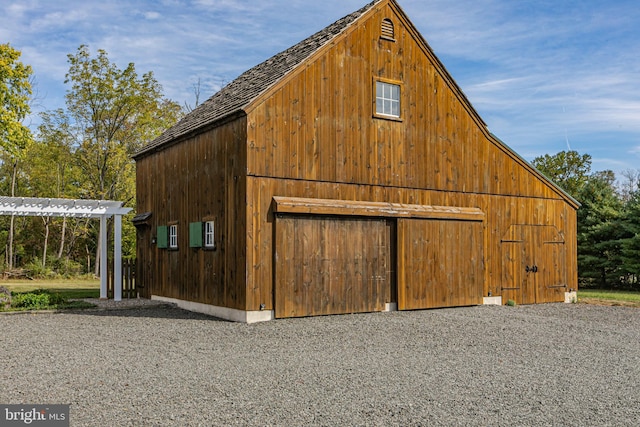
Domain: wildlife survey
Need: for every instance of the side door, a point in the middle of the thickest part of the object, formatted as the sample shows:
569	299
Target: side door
518	277
534	268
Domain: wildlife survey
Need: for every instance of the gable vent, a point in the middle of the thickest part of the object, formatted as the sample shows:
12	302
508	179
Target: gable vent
387	30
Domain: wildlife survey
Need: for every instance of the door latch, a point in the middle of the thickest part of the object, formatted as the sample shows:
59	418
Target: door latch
532	269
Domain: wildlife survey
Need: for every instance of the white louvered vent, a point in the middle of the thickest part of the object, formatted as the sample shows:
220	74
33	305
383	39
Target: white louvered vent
387	30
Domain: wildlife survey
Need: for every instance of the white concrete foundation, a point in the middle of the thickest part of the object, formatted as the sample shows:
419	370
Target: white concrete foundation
492	300
225	313
571	297
391	306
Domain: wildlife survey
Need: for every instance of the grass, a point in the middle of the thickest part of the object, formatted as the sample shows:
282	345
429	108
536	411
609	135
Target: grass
66	289
90	288
609	297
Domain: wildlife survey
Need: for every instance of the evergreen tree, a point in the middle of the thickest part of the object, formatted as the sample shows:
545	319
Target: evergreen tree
631	241
599	232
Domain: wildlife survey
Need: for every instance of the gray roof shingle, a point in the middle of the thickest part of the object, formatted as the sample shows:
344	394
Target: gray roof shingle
250	84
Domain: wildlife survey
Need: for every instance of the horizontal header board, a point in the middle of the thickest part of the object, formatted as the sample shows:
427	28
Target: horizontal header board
301	205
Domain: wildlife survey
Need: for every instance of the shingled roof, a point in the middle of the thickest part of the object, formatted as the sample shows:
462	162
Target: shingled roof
249	85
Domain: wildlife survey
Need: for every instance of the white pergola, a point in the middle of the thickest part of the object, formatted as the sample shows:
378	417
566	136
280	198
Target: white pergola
103	209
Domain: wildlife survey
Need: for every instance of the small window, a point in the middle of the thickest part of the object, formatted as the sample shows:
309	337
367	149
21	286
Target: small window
387	30
209	235
387	99
173	236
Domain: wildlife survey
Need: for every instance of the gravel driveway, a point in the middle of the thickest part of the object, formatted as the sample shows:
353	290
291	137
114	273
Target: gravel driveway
554	364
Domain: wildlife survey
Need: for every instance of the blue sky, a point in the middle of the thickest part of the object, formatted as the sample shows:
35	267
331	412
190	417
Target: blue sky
545	75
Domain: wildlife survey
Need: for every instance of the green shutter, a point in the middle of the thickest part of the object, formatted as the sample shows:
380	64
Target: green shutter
195	235
162	236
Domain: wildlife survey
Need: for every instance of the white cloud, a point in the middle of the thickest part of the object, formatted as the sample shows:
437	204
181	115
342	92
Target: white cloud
152	16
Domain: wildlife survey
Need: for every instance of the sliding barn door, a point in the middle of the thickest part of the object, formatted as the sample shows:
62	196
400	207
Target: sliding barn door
440	263
332	265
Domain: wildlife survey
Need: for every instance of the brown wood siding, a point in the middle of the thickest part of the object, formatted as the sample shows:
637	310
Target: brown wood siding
571	243
314	135
331	265
199	178
501	212
319	124
440	263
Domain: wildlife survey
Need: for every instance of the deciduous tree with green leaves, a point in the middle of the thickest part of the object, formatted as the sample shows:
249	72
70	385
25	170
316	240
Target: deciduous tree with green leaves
15	97
83	151
51	172
568	169
114	112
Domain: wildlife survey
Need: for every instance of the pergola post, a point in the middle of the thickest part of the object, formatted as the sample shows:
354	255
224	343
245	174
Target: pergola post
117	257
103	257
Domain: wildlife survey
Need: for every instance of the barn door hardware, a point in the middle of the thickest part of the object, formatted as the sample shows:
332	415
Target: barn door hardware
532	269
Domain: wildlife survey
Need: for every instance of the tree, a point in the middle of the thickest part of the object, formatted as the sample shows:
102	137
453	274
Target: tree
196	92
15	96
631	183
51	171
599	231
114	112
568	169
631	240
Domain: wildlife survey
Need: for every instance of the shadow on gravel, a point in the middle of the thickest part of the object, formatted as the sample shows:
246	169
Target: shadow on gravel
165	311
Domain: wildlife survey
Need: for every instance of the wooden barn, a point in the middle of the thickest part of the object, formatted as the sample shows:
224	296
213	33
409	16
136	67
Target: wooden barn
348	173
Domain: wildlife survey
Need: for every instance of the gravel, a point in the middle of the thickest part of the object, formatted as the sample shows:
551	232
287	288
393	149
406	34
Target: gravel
552	364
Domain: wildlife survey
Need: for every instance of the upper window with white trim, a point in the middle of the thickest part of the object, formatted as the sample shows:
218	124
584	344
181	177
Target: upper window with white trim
387	99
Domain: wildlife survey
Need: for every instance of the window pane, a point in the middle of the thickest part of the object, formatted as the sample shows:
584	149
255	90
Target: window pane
387	91
395	109
395	92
